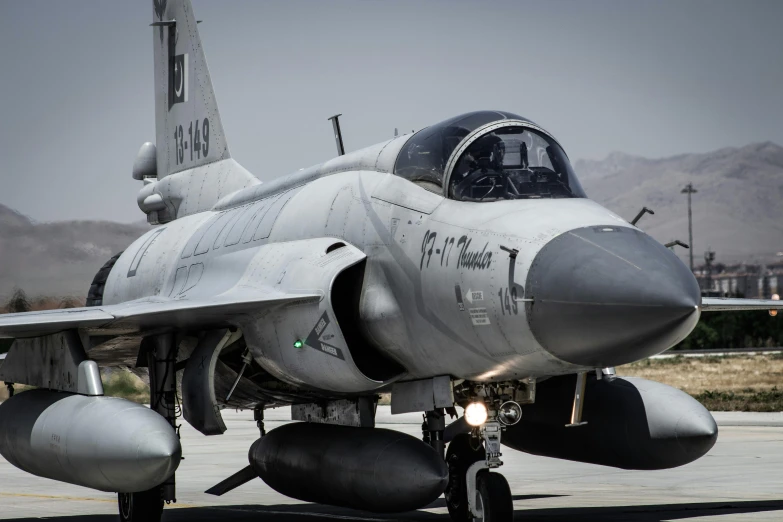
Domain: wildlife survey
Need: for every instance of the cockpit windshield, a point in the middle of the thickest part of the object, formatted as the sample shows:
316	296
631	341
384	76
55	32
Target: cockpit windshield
488	156
423	158
513	162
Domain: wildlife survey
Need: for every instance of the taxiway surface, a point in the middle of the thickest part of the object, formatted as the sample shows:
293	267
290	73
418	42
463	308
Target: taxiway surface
741	479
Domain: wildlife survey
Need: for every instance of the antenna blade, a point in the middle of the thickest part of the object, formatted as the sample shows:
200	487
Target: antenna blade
338	135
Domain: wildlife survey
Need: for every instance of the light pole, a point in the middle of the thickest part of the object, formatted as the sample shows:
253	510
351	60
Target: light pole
709	258
690	190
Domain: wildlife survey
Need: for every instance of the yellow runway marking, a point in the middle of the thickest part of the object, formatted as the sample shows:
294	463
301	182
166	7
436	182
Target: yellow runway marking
84	499
55	497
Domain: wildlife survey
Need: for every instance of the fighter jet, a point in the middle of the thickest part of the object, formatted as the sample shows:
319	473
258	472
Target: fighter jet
461	268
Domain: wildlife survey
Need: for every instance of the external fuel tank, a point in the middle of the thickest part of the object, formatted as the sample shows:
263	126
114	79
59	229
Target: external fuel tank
362	468
104	443
632	423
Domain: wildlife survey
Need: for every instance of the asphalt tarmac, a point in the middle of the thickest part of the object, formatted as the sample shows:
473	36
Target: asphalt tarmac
741	479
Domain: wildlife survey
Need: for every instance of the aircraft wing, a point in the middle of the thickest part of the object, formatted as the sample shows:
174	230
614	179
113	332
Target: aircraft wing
147	313
727	304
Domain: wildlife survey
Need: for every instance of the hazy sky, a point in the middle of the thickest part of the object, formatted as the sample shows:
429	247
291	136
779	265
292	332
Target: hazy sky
653	78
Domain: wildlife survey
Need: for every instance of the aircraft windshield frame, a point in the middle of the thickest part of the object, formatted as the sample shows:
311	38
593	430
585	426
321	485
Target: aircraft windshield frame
510	159
423	159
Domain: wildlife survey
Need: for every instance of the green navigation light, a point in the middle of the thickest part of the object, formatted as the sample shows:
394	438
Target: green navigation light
298	343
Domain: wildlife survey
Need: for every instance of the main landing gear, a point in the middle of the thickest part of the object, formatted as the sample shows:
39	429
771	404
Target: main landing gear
147	506
142	506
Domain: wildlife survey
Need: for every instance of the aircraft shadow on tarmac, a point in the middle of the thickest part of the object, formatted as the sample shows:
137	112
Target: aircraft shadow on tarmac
315	513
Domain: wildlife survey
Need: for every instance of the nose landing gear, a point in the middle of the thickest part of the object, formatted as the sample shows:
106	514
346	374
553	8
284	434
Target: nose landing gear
473	492
463	452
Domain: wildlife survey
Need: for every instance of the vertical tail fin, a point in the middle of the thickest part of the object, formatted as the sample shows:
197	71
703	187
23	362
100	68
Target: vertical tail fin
191	147
187	121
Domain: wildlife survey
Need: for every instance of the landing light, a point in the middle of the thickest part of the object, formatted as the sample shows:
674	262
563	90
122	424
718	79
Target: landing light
775	297
476	413
509	413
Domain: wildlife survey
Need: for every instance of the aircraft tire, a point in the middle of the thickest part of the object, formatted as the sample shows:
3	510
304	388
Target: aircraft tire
495	497
459	456
145	506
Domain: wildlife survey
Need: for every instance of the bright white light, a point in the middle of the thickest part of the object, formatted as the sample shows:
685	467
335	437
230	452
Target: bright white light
476	413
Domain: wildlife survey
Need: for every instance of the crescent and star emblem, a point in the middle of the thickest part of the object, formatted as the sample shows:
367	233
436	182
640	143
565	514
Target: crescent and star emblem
178	90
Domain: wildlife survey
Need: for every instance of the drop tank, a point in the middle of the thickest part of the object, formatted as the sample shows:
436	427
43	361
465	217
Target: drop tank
104	443
362	468
632	423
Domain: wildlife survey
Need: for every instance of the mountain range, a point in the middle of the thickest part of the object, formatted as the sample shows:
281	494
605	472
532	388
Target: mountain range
737	212
59	258
737	209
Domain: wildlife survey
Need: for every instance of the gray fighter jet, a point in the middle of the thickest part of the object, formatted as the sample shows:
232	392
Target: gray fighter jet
461	266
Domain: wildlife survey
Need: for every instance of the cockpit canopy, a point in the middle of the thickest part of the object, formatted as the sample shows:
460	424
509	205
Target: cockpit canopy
488	156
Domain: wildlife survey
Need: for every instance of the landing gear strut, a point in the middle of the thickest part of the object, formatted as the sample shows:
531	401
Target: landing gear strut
147	506
258	416
473	493
432	430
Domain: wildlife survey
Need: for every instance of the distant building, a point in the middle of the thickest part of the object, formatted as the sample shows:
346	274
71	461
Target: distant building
740	280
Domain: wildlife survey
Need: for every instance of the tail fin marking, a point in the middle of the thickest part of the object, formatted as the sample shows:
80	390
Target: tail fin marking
187	122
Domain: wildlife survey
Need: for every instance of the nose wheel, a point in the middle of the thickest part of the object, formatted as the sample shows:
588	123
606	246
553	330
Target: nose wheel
493	498
145	506
463	452
469	478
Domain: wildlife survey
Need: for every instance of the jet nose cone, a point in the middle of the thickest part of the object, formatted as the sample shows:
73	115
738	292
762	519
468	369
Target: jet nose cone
608	295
